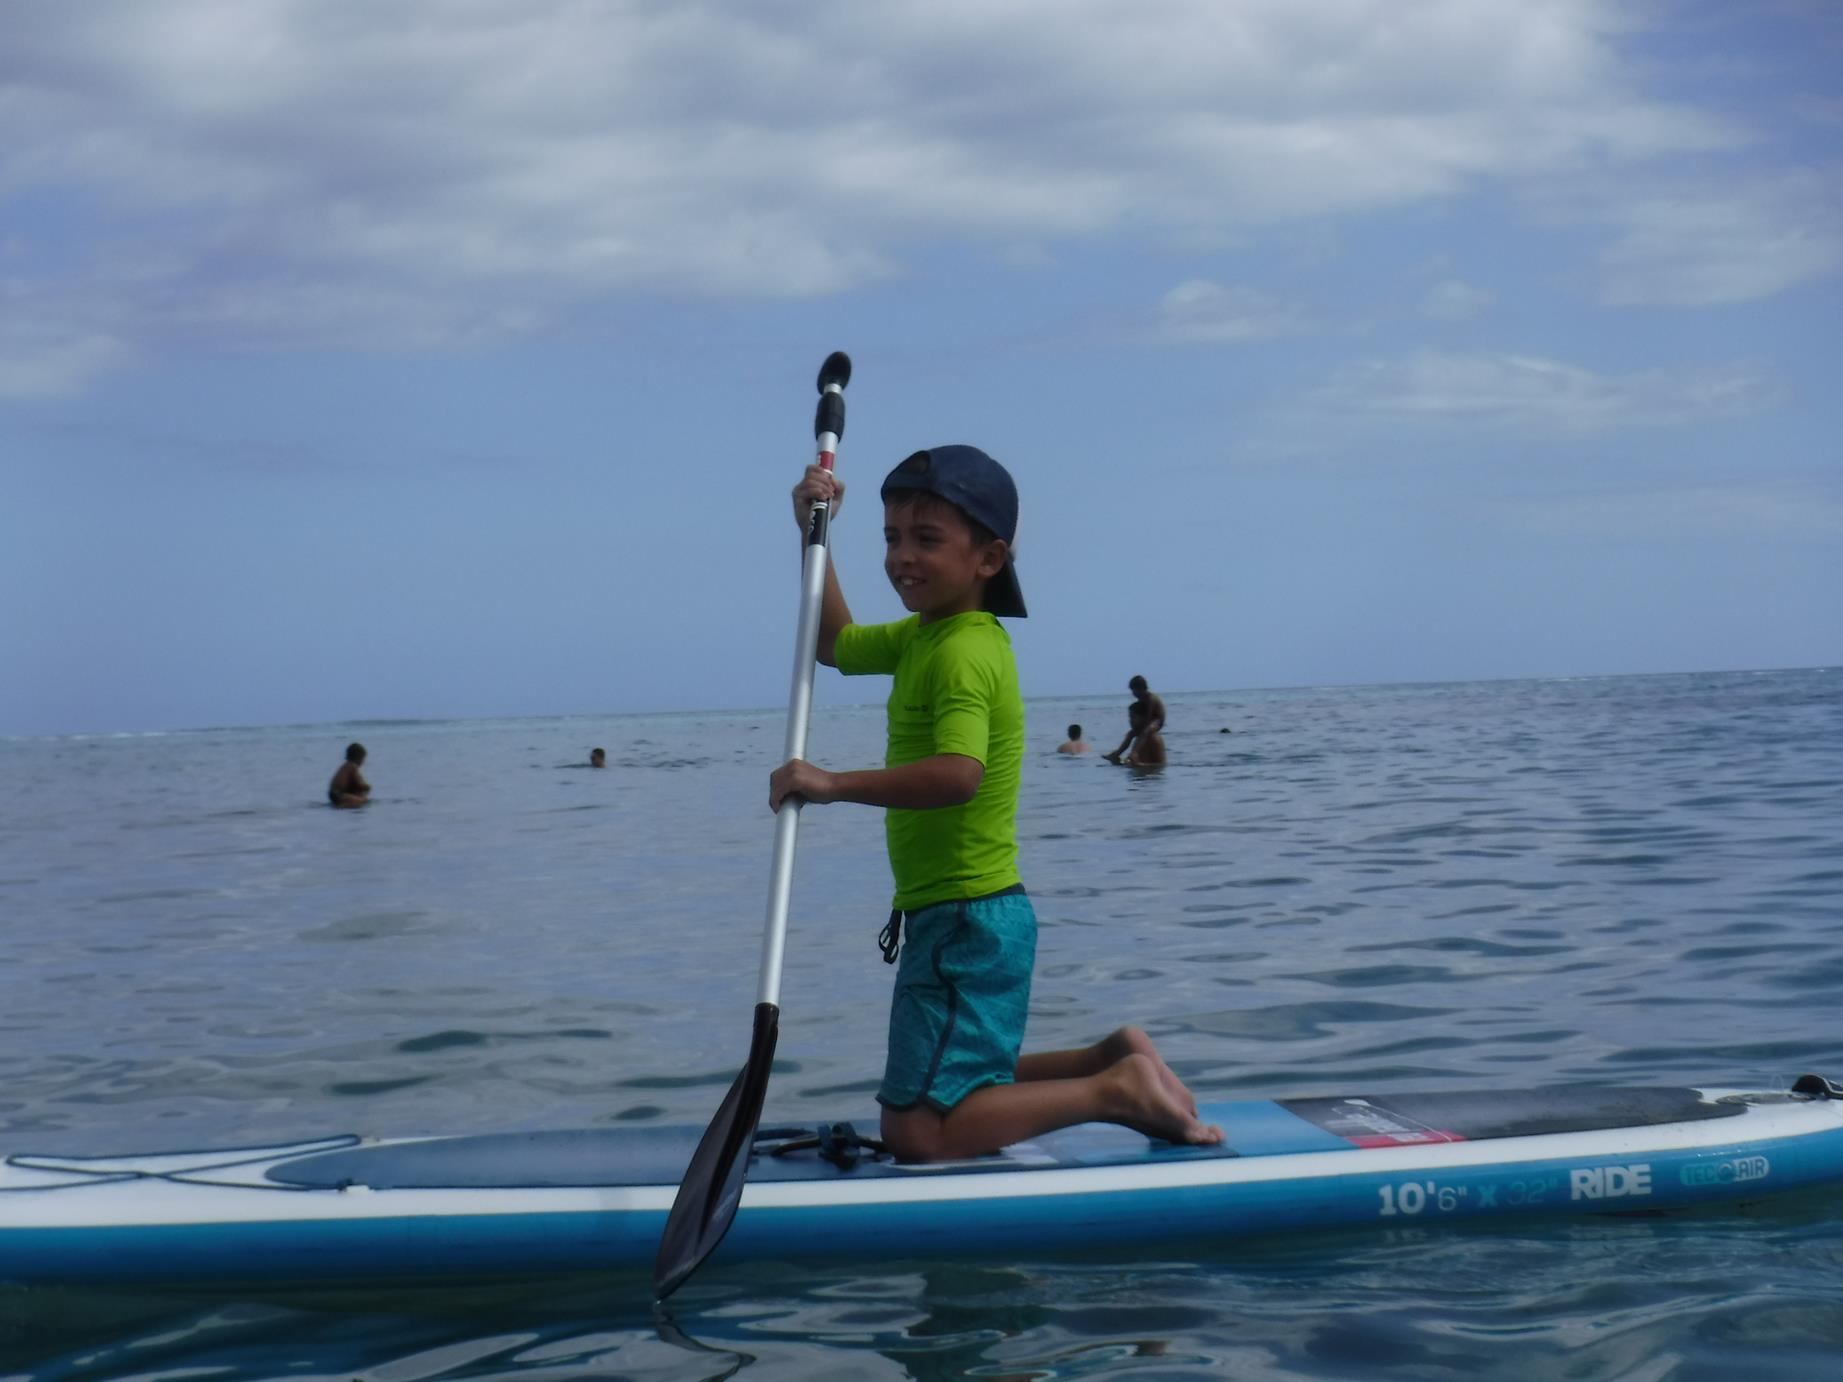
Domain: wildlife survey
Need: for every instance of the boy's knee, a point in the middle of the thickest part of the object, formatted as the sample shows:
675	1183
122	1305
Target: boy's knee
912	1134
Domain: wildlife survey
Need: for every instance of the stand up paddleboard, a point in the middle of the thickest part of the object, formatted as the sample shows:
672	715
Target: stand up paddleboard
350	1208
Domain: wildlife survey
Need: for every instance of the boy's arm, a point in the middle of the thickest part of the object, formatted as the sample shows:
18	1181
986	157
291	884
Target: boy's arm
834	614
946	779
819	483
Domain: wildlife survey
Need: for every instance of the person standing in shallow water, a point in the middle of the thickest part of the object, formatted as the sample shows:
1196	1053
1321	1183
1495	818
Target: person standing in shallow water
1145	719
348	787
1075	743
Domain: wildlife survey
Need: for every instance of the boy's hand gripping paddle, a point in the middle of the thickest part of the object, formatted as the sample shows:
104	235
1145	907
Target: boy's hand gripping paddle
712	1187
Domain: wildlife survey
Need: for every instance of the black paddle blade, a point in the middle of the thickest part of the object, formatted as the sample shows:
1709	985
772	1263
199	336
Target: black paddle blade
708	1195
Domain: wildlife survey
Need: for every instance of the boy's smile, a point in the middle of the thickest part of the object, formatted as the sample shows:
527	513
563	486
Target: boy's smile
933	560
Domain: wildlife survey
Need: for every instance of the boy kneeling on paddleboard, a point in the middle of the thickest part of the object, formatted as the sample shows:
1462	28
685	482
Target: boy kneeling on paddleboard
955	1084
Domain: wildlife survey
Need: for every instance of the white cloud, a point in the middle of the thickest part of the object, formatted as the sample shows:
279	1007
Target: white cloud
1454	300
1696	246
51	347
1541	397
38	365
1821	110
1202	312
439	171
1697	512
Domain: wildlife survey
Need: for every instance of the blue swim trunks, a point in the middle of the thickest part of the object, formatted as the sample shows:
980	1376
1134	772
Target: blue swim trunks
962	994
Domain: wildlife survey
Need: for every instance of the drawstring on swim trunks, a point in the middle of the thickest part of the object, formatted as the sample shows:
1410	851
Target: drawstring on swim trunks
890	937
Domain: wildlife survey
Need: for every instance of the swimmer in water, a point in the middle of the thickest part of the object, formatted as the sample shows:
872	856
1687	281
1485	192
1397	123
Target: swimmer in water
348	787
1145	719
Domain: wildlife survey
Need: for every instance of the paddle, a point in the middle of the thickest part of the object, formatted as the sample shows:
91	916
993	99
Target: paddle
708	1195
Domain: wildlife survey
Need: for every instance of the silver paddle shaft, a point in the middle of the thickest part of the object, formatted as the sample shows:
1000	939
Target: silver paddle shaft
799	712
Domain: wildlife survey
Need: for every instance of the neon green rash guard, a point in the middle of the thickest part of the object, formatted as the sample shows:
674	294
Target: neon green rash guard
955	692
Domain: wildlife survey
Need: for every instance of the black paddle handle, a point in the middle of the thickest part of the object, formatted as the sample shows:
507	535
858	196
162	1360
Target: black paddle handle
828	429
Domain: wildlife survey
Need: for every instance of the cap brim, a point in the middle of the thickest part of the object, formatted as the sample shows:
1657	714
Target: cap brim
1002	596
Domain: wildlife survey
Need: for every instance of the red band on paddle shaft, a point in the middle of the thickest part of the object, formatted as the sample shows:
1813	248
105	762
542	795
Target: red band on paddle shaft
825	460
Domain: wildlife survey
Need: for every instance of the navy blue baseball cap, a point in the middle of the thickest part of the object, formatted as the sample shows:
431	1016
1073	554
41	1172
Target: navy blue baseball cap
980	488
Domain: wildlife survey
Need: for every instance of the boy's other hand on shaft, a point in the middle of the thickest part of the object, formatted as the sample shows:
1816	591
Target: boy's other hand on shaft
798	778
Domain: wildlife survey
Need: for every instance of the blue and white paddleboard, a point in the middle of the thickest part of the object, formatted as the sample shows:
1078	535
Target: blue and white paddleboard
350	1208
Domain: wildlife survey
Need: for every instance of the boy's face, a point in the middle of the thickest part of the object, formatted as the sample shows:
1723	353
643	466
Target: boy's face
931	557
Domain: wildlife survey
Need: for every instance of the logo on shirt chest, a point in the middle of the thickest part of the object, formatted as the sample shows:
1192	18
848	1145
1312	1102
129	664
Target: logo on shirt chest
922	709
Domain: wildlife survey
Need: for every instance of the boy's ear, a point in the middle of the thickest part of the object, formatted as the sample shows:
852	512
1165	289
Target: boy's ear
992	560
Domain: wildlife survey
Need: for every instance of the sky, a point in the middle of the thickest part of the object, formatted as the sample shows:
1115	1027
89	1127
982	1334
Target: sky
379	359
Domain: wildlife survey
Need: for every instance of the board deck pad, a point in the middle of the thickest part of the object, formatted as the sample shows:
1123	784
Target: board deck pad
1400	1120
658	1156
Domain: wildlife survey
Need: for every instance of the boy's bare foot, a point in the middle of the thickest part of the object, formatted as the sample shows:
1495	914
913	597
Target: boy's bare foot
1132	1041
1140	1099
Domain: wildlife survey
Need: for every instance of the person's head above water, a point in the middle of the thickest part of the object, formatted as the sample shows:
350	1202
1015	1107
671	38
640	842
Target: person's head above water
355	752
598	758
982	493
1074	731
1138	686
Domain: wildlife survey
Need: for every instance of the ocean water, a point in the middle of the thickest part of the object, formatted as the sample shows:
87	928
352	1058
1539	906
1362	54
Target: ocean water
1608	880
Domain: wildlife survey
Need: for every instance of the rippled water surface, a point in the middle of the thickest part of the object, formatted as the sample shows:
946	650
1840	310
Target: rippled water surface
1613	880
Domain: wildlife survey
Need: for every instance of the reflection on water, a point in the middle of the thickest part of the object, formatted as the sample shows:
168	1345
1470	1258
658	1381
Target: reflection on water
1724	1294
